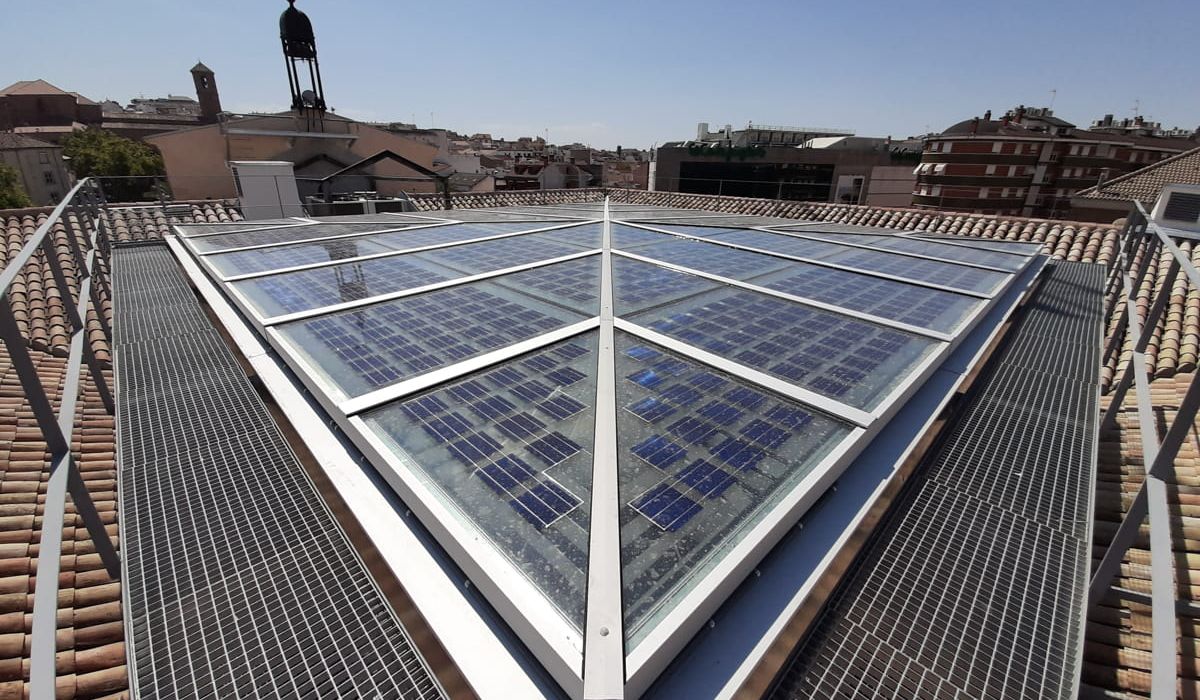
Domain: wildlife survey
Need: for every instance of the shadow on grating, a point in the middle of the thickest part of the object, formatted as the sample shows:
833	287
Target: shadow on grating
975	584
239	581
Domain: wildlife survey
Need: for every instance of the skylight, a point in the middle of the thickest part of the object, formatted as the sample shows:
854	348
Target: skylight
605	413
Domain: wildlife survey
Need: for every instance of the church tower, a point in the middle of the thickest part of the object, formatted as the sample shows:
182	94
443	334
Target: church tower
206	93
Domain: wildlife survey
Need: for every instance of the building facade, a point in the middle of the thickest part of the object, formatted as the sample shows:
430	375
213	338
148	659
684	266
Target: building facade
44	176
1028	163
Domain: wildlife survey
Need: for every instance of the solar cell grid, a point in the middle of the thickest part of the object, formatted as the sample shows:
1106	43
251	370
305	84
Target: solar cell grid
811	348
714	259
291	234
919	247
369	347
485	256
638	285
700	454
519	470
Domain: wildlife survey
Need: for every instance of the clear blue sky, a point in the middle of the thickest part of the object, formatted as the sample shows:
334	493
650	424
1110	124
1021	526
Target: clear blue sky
635	73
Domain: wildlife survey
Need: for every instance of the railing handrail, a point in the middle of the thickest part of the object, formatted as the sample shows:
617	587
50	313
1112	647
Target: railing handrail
85	200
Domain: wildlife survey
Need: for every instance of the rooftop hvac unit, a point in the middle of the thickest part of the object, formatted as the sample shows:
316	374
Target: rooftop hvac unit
266	188
1178	207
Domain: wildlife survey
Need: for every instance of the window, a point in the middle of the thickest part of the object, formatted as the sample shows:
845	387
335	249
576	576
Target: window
936	191
996	147
1005	192
48	177
991	170
984	192
44	157
1075	149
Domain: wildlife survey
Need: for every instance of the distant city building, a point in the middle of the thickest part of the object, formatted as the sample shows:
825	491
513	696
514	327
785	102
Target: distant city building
1030	162
49	112
44	177
829	165
632	175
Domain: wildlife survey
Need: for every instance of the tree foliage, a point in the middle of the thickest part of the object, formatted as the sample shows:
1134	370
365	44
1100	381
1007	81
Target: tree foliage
12	194
99	153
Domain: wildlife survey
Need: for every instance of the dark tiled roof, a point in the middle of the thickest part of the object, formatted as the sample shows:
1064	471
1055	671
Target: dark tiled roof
1145	184
32	87
9	140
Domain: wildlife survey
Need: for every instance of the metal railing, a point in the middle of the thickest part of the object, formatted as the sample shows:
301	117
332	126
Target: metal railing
1142	245
84	203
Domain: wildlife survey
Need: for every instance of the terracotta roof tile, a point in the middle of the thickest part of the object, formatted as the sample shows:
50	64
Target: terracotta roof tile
1145	184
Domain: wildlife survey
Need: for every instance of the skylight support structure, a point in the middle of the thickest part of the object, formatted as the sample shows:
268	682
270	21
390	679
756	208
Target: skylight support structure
604	504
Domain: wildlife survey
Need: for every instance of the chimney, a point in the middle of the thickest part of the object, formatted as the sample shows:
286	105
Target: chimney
987	116
1004	120
1020	114
974	125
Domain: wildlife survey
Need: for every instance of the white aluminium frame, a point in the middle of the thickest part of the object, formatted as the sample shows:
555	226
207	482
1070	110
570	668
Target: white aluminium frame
604	671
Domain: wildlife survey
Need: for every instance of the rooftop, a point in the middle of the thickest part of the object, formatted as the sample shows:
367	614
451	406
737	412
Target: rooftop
1144	185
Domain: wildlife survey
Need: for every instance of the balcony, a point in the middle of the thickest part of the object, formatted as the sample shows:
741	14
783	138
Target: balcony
975	180
988	158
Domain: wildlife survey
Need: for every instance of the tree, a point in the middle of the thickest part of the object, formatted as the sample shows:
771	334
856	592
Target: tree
99	153
12	195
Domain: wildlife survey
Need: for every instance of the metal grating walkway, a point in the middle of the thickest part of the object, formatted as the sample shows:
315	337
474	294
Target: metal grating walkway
975	584
239	582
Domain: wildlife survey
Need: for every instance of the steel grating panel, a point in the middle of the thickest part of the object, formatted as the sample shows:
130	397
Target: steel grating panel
239	581
974	585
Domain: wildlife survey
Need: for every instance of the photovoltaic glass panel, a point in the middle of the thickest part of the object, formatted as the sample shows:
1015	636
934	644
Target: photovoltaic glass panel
1004	245
917	306
702	456
304	290
638	285
470	215
574	284
841	357
590	236
715	259
513	464
933	271
775	243
630	238
278	257
485	256
290	234
909	245
363	349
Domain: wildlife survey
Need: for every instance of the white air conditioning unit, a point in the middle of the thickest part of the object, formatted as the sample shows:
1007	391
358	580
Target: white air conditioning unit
267	189
1178	207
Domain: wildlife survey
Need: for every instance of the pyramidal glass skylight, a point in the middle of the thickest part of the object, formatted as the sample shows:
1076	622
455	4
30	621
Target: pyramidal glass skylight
605	413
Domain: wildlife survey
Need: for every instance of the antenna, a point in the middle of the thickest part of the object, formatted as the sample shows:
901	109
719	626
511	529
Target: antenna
1137	107
1053	96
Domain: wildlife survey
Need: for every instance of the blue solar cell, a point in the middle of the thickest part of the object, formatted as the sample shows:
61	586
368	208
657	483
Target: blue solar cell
445	428
672	367
561	407
737	454
647	378
540	363
666	507
493	407
505	473
681	395
704	478
658	451
720	412
423	407
789	417
691	430
467	391
569	352
505	376
474	448
520	426
650	409
565	376
643	353
532	390
553	448
765	434
707	381
745	397
544	503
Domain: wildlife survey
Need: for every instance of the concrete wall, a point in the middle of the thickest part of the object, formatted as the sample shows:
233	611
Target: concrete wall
890	186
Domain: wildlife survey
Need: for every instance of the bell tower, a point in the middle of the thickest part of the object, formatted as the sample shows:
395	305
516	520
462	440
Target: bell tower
206	93
304	71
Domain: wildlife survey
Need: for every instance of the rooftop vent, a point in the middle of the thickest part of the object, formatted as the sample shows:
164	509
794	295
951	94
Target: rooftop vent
1178	207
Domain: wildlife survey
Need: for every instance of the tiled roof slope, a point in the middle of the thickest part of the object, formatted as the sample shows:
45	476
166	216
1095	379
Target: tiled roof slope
91	650
1145	184
1117	649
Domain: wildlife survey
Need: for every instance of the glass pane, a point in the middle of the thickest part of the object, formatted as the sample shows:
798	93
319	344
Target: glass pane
574	284
363	349
918	306
303	290
278	257
908	245
638	285
590	236
932	271
234	226
475	258
480	215
628	237
290	234
702	458
841	357
1021	247
509	452
716	259
773	242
